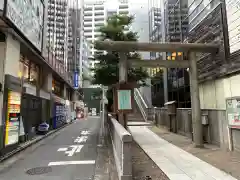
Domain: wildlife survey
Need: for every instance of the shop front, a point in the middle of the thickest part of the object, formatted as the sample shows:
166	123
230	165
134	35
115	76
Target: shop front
11	116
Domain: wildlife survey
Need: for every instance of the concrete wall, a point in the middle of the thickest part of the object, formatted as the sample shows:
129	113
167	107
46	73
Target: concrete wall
213	96
214	133
12	56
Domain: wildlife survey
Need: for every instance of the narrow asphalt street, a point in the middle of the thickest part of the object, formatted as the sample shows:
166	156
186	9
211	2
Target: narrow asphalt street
69	155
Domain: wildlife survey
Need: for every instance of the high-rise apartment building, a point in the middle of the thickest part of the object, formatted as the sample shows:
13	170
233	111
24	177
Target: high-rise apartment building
96	14
168	23
176	22
86	58
155	33
57	29
74	37
208	24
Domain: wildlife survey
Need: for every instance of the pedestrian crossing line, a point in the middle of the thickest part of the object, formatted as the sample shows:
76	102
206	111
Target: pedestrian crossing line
62	163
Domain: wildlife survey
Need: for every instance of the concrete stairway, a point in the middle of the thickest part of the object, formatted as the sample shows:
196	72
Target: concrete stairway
135	117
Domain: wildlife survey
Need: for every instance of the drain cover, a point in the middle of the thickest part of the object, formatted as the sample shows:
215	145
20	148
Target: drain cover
39	170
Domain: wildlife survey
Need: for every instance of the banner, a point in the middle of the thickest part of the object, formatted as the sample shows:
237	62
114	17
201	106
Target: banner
75	80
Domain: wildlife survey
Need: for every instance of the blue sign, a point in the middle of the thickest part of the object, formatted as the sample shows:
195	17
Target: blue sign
124	100
75	80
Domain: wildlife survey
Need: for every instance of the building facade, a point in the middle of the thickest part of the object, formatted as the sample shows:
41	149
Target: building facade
86	59
32	84
74	41
176	24
95	15
58	29
168	23
217	22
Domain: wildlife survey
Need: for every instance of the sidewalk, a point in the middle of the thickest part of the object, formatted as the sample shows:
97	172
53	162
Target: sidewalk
176	162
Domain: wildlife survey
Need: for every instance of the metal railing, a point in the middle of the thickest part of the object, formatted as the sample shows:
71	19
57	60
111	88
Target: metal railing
142	105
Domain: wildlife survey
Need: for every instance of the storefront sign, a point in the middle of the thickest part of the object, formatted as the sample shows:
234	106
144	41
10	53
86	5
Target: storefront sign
75	80
27	16
13	117
233	19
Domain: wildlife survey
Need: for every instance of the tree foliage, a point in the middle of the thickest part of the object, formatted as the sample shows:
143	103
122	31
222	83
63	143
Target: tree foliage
106	71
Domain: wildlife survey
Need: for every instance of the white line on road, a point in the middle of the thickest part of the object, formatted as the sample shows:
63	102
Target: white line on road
61	163
62	149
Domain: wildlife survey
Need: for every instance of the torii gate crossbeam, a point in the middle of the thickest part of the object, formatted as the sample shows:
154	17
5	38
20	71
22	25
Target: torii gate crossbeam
125	46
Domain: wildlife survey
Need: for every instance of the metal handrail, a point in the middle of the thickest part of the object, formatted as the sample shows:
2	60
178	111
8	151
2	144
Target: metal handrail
140	95
141	103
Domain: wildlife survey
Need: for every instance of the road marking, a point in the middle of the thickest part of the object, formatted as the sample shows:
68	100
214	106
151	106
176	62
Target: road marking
75	148
61	163
81	139
62	149
85	132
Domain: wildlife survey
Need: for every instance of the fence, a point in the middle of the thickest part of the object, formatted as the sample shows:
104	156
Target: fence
212	131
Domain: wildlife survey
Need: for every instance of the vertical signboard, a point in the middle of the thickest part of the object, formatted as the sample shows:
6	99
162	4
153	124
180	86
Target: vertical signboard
75	80
233	19
124	100
27	16
13	116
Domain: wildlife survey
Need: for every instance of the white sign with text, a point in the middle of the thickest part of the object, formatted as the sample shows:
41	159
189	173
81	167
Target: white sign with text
27	16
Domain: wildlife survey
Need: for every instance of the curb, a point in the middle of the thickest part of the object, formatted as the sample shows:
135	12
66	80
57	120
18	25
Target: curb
30	143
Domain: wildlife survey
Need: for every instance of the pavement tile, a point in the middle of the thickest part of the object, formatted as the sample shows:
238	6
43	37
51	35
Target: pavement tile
176	163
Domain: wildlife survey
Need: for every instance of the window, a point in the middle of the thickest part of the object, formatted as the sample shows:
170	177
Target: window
29	70
23	69
34	74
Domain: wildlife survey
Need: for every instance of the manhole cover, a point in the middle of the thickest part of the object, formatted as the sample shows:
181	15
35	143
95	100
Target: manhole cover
39	170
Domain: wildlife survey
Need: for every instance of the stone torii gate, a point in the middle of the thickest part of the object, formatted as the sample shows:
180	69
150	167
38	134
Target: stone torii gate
125	46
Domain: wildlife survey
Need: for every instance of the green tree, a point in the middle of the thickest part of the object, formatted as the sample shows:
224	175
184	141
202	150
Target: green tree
106	71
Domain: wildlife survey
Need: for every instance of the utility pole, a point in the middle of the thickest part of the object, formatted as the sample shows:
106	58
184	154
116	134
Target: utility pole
195	101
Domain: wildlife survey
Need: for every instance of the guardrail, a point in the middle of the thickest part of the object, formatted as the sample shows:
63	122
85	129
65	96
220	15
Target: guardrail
121	141
143	107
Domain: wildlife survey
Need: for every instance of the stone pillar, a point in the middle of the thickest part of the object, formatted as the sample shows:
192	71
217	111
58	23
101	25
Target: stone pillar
47	80
64	92
74	98
195	101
